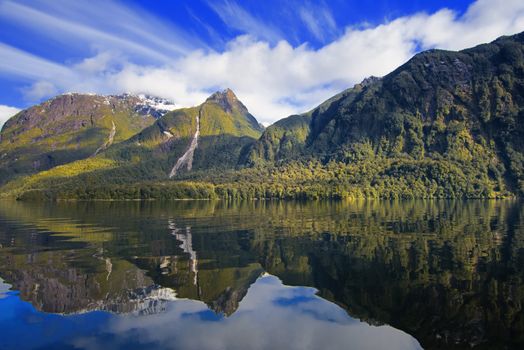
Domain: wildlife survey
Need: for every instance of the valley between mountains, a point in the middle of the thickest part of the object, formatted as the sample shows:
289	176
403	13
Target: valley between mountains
443	125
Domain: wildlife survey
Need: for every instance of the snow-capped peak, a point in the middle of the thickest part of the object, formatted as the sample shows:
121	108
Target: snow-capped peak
158	102
154	106
142	104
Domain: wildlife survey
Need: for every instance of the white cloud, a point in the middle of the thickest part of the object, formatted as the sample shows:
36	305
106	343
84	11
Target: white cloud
6	112
319	21
39	89
238	18
273	79
311	323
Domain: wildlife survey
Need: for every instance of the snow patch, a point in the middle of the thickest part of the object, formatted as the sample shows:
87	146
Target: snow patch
154	106
158	103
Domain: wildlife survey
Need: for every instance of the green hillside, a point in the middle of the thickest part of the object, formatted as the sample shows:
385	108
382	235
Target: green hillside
444	125
67	128
225	130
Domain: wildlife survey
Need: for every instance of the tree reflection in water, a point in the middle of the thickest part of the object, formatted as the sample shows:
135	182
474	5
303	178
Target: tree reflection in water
447	272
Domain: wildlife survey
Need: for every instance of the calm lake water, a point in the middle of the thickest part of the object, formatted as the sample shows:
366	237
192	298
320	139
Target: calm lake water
262	275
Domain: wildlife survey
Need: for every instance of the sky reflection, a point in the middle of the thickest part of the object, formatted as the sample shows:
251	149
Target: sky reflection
271	316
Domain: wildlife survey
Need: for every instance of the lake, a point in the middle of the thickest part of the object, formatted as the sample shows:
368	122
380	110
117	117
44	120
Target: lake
262	275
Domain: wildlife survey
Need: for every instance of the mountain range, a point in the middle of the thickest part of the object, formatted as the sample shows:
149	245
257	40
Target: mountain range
445	124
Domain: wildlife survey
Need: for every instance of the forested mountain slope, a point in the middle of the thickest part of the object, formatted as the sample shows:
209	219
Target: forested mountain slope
442	118
445	124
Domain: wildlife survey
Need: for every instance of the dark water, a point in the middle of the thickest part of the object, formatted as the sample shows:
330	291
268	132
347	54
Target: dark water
262	275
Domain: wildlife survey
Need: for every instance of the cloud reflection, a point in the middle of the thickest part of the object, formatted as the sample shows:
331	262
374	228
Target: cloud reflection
271	316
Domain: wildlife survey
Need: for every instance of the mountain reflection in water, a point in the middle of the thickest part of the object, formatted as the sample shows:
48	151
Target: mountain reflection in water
271	316
216	275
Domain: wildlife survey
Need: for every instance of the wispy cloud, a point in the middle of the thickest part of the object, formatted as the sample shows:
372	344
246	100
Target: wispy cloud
18	63
213	34
235	16
273	78
102	25
319	21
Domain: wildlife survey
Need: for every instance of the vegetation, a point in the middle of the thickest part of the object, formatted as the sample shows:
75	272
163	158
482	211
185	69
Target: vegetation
64	129
456	112
443	125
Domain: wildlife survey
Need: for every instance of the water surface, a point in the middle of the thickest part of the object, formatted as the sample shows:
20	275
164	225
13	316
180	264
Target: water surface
262	275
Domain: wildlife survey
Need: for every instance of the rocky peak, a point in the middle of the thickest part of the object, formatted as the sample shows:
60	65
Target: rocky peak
227	100
370	81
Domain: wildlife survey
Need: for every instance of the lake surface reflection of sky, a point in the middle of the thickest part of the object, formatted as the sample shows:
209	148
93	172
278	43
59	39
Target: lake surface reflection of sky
271	316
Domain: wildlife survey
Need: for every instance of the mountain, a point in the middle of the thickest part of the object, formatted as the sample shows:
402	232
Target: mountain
442	118
71	127
443	125
290	138
213	135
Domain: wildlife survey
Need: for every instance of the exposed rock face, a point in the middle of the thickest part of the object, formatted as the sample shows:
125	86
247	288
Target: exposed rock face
74	111
187	158
211	135
154	106
109	141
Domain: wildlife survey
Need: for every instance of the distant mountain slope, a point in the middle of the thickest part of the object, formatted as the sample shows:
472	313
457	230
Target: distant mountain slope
284	139
222	113
211	135
70	127
288	138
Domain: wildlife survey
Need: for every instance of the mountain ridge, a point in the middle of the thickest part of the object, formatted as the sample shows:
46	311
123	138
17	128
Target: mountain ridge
69	127
444	124
418	110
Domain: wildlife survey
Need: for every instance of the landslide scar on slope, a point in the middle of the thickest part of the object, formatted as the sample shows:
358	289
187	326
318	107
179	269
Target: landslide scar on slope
187	157
109	141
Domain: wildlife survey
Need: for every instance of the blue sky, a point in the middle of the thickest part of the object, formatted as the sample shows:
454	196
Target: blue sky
280	57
